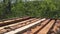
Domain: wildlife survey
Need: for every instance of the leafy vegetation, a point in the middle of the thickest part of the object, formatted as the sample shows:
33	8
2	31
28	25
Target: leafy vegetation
19	8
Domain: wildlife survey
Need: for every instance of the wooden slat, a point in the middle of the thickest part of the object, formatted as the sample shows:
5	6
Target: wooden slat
12	21
38	27
16	25
46	28
35	29
56	27
25	27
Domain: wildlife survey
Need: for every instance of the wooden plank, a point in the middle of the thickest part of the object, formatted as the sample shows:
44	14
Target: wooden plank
35	29
25	27
4	23
17	25
56	27
46	28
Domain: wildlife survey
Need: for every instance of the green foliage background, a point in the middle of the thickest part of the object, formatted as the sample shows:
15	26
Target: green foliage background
42	9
